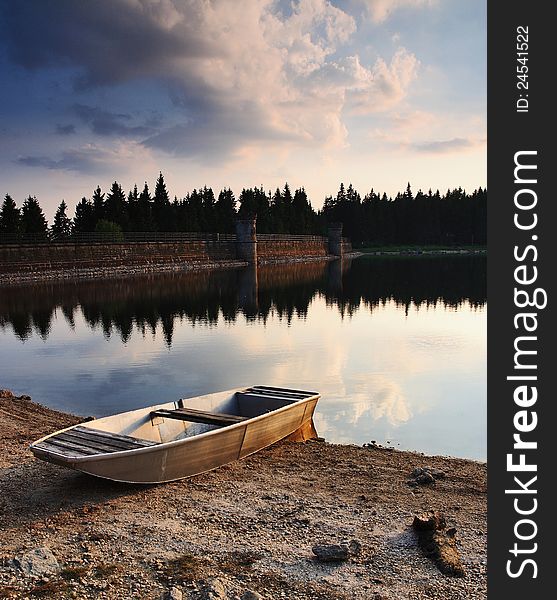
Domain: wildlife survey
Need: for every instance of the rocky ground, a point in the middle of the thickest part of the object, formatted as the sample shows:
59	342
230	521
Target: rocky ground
245	531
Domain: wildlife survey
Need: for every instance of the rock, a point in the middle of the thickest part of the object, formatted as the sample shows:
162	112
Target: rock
331	552
429	521
37	562
437	473
438	544
425	476
337	552
251	595
213	590
174	593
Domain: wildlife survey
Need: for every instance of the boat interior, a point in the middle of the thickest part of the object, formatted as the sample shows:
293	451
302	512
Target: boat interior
168	422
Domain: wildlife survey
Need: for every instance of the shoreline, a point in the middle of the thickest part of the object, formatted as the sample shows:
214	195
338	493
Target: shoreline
419	252
245	528
100	273
139	270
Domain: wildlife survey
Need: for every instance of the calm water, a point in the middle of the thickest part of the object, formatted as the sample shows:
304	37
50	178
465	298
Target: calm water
396	346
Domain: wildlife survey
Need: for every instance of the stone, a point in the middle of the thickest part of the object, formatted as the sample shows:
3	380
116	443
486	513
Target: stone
437	473
213	590
251	595
439	544
425	476
37	563
337	552
429	521
174	593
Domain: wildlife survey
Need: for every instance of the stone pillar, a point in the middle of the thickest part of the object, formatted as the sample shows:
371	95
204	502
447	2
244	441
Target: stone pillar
335	239
246	240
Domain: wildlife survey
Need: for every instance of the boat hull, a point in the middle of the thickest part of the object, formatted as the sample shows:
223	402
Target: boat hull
191	456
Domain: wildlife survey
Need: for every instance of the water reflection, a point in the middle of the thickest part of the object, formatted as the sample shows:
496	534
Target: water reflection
396	346
163	300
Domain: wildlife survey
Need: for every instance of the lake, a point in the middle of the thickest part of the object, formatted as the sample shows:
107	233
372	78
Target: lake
395	345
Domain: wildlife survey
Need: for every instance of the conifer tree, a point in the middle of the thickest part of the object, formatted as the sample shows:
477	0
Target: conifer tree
33	219
133	210
161	205
10	217
115	209
98	205
146	222
62	225
225	209
84	218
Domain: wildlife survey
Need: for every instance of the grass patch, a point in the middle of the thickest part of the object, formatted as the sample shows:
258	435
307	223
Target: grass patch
188	567
73	573
50	588
237	561
106	570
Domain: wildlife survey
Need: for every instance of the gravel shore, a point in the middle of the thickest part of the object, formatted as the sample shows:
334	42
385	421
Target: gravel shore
244	531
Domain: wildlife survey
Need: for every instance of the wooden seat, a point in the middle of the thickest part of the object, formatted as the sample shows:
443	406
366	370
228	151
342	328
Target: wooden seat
85	441
280	392
198	416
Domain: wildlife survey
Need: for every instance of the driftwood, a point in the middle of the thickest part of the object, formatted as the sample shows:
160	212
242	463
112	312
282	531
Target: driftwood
439	543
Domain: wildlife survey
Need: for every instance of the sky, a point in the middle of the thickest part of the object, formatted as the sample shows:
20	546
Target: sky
377	93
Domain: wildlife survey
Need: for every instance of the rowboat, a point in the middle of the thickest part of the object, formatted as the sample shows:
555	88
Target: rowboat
183	438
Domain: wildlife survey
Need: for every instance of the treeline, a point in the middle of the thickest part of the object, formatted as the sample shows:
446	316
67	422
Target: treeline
455	218
423	219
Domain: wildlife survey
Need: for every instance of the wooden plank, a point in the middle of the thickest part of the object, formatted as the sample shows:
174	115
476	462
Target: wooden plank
281	395
115	436
78	436
115	441
96	445
270	387
278	393
66	448
285	391
71	446
198	416
49	448
204	413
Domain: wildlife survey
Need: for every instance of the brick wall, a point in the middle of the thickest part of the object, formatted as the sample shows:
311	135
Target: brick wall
29	259
275	249
44	257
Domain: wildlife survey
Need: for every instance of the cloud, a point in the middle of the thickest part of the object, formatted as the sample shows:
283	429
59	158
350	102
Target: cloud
387	84
447	146
239	75
123	41
381	10
65	129
89	159
105	123
410	120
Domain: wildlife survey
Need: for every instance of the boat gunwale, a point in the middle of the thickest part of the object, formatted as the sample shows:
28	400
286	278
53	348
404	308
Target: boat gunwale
162	445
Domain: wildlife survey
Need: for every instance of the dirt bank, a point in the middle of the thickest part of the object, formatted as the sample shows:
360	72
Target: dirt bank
251	525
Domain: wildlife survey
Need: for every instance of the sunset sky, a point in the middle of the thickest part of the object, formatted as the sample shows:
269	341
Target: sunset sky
241	93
